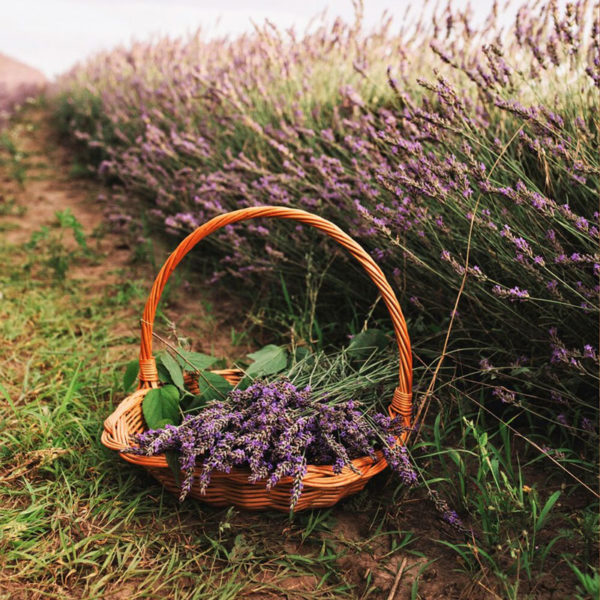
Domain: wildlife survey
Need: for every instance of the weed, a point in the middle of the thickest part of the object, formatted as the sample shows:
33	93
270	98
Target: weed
589	583
10	207
51	244
238	337
16	158
79	170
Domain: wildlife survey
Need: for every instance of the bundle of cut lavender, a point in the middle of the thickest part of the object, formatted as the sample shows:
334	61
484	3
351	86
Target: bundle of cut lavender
275	425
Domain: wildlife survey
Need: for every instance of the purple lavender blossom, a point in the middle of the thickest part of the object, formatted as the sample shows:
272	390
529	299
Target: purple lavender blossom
505	395
276	430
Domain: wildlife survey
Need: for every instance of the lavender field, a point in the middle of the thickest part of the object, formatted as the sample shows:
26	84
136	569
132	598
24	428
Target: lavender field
464	157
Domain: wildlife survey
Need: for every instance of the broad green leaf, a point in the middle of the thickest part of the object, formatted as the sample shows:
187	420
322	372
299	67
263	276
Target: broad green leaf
244	383
163	374
193	403
173	461
130	375
161	423
267	361
161	407
213	386
364	344
174	370
301	353
198	360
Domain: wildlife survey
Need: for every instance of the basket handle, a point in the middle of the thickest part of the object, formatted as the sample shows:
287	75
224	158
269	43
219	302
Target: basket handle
402	400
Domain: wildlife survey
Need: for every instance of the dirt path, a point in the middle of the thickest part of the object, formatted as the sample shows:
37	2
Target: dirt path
47	187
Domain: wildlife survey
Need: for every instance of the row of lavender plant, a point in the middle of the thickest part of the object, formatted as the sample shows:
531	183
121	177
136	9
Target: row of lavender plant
431	143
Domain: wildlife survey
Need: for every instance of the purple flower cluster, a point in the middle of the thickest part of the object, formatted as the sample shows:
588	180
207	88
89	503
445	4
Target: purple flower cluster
275	430
449	515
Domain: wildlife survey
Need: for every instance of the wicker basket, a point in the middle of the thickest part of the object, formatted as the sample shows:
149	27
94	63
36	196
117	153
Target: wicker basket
322	487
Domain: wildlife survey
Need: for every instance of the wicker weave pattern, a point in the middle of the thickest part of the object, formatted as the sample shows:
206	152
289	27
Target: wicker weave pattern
322	487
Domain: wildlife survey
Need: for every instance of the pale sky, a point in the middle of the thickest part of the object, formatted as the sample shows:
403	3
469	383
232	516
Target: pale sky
52	35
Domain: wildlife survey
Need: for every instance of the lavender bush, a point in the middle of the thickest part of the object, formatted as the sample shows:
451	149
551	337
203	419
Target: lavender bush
435	143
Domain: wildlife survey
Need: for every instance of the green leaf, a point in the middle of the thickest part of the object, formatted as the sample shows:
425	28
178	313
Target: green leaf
161	407
173	461
520	371
213	386
161	423
300	353
198	360
244	383
364	344
163	374
267	361
544	512
193	403
130	375
174	370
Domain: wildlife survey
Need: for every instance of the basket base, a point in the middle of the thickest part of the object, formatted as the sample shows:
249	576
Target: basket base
322	487
256	497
